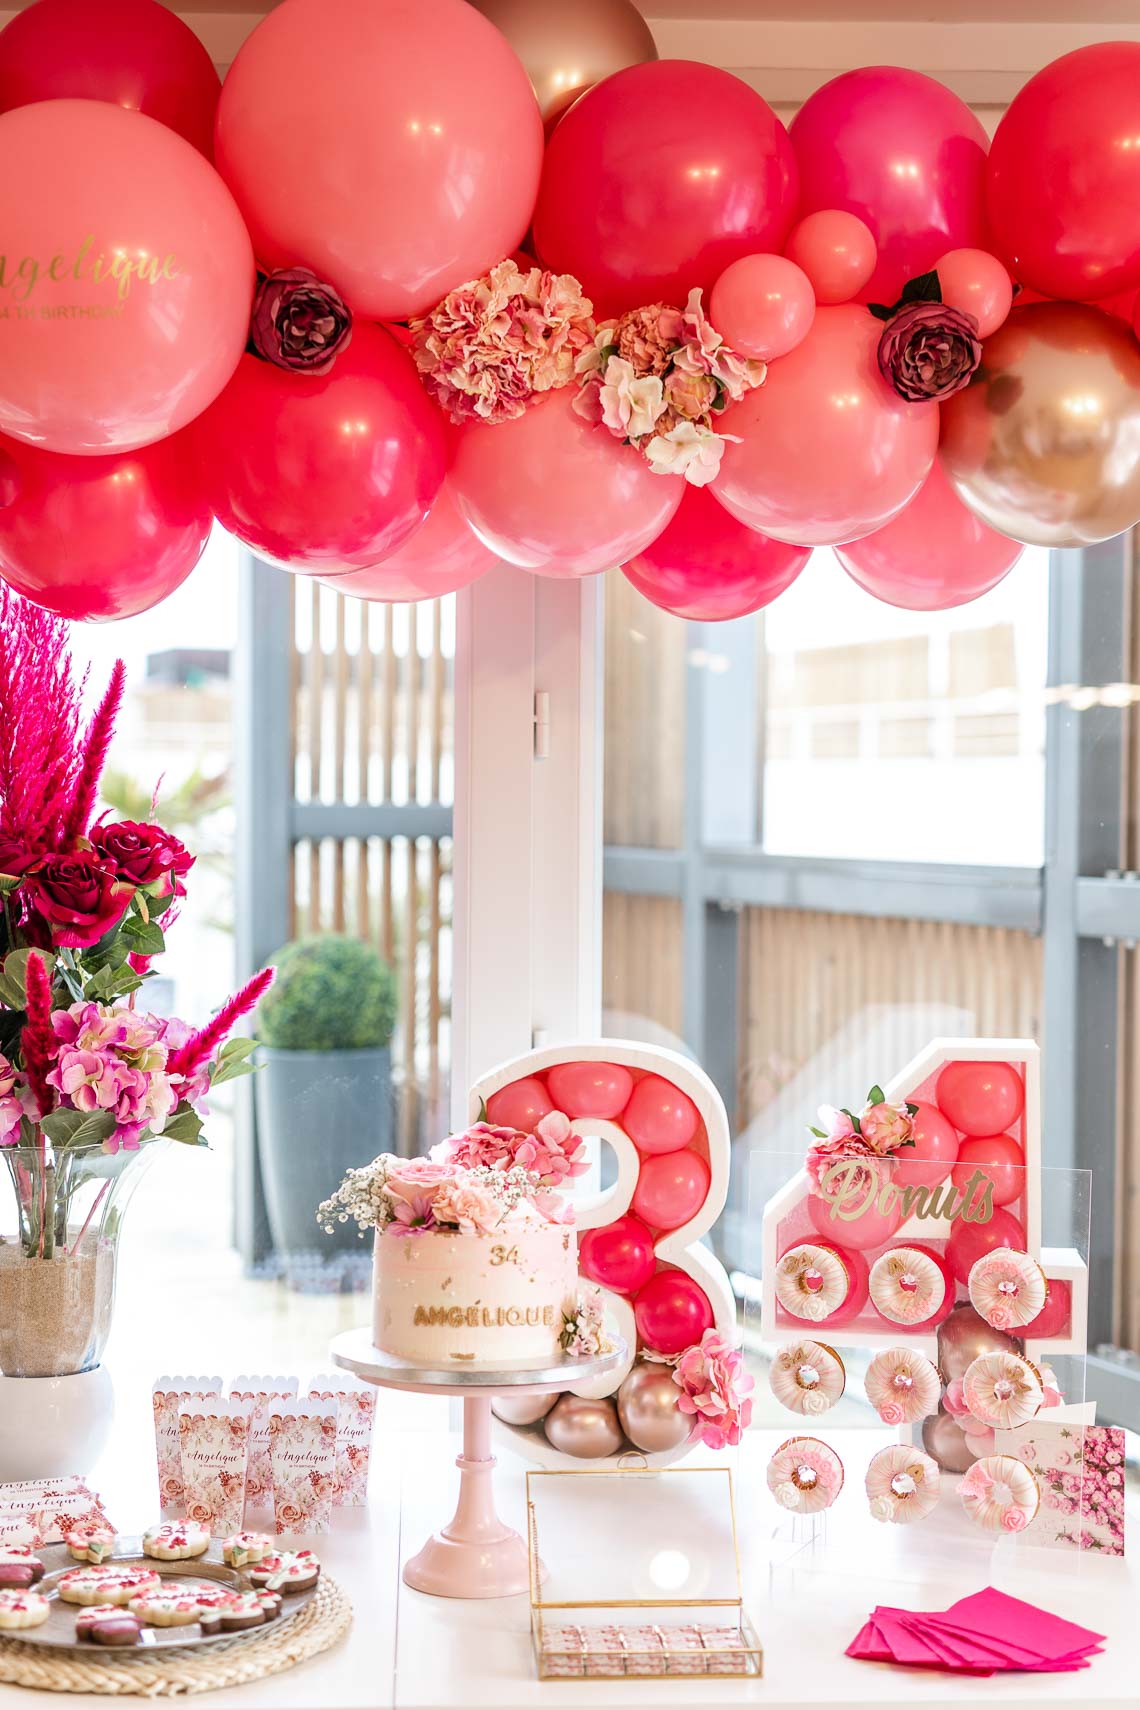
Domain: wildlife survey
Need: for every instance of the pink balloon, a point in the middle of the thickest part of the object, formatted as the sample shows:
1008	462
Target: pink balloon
935	1148
641	203
762	305
327	473
126	281
975	281
904	154
981	1098
439	558
520	1104
870	1228
619	1256
709	567
394	146
660	1117
1053	1318
969	1242
935	554
829	452
670	1189
590	1089
836	251
97	538
672	1312
1002	1162
557	495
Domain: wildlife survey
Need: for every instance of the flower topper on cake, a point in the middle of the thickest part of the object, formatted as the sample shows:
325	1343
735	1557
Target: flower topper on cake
880	1131
584	1330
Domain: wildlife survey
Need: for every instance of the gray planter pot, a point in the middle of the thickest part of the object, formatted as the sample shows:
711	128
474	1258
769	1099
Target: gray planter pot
319	1113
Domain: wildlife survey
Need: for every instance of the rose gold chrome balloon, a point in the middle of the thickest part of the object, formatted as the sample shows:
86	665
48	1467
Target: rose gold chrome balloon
965	1335
944	1438
566	49
585	1429
522	1409
647	1407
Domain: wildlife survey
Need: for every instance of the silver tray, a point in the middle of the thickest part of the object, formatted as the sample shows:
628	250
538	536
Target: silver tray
353	1350
58	1631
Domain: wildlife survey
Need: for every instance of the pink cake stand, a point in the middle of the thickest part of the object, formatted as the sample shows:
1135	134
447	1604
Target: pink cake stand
475	1554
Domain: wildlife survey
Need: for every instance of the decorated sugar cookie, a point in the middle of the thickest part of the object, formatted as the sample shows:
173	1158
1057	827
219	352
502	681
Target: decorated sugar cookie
288	1570
207	1594
176	1541
90	1543
22	1609
242	1609
907	1285
812	1281
902	1386
106	1584
1002	1390
20	1567
104	1624
1007	1288
902	1484
1000	1494
246	1547
807	1377
805	1475
166	1608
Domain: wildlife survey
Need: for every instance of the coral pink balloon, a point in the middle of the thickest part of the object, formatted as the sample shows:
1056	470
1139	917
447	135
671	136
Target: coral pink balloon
981	1098
969	1242
836	251
904	154
394	146
439	558
709	567
520	1104
829	452
871	1227
642	199
659	1116
127	279
671	1188
762	305
933	555
134	53
672	1312
619	1256
328	473
1064	175
95	538
1001	1161
1053	1318
935	1148
590	1089
975	281
557	495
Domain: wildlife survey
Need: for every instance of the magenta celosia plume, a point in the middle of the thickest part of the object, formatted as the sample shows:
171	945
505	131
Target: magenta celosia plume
201	1045
37	1042
96	745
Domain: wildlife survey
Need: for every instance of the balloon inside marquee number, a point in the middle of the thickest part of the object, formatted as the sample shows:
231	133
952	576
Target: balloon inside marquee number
439	558
708	567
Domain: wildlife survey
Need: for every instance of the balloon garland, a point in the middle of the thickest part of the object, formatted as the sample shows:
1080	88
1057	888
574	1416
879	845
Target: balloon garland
298	304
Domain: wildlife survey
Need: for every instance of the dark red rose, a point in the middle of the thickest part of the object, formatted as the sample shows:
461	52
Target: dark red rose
143	854
299	323
929	351
15	857
80	897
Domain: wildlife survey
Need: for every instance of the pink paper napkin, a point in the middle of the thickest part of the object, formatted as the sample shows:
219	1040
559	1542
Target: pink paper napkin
980	1634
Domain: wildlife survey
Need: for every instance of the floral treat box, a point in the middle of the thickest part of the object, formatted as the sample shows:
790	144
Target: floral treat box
1080	1471
355	1419
303	1442
214	1440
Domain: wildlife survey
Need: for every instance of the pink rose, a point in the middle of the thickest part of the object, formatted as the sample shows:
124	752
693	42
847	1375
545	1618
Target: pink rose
891	1413
1014	1520
469	1206
885	1127
1000	1317
417	1179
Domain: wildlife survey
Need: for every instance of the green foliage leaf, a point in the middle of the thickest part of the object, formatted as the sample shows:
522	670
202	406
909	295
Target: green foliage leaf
925	288
876	1096
185	1126
14	974
8	883
233	1061
109	983
78	1128
882	311
142	937
818	1132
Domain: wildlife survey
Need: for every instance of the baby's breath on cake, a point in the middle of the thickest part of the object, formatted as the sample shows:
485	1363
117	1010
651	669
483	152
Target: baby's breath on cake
509	1188
360	1197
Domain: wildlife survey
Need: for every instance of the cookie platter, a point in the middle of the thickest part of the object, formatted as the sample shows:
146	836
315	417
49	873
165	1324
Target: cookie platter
58	1632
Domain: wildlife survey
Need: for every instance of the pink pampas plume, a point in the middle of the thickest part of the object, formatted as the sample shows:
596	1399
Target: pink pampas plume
200	1046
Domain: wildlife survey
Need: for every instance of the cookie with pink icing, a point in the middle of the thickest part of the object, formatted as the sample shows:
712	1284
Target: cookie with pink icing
105	1624
176	1541
106	1584
805	1475
812	1282
20	1609
287	1570
909	1285
807	1377
246	1547
1002	1390
902	1386
166	1607
90	1542
902	1485
1000	1494
1007	1289
20	1567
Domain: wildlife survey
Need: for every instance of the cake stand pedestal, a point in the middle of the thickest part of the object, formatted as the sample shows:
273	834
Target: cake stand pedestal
475	1554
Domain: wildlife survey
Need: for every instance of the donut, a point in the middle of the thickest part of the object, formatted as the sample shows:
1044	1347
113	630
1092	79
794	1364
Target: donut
1007	1288
812	1281
176	1541
1000	1494
902	1386
90	1543
166	1608
908	1285
106	1584
807	1377
20	1567
246	1547
287	1570
104	1624
804	1475
1002	1390
902	1484
22	1609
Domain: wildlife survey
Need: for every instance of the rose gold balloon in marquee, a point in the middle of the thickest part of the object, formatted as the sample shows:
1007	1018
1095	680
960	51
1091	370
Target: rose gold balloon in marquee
567	49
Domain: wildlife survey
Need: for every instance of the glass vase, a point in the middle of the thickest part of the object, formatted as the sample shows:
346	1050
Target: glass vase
61	1214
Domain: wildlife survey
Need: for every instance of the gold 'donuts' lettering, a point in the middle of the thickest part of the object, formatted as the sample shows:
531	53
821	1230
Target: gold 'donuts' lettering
850	1200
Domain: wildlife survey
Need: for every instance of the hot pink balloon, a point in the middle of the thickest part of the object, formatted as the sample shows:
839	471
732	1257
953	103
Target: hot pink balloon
1053	1318
762	305
97	538
659	1116
394	146
975	281
641	203
903	153
441	557
520	1104
323	474
981	1098
590	1089
672	1312
869	1228
969	1242
1001	1161
935	554
837	252
829	452
126	282
670	1189
558	496
709	567
928	1160
619	1256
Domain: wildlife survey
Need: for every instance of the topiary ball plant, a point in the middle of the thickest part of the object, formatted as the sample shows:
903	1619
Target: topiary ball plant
331	994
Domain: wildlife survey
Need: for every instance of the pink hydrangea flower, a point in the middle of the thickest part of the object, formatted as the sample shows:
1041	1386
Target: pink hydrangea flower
715	1389
688	449
11	1109
470	1207
552	1153
630	406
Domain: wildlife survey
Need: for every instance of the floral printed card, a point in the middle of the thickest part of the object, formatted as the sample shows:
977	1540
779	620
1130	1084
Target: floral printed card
214	1440
1080	1471
42	1511
167	1396
356	1416
260	1391
303	1442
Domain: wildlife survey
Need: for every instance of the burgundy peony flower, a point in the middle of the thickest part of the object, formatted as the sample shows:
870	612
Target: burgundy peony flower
143	854
298	322
929	351
80	897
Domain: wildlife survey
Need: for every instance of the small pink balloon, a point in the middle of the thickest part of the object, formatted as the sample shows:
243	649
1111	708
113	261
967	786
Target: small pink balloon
871	1228
837	252
659	1116
710	568
441	557
520	1104
981	1098
590	1089
1053	1318
619	1255
1001	1161
970	1242
976	282
671	1189
935	1148
672	1312
763	306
